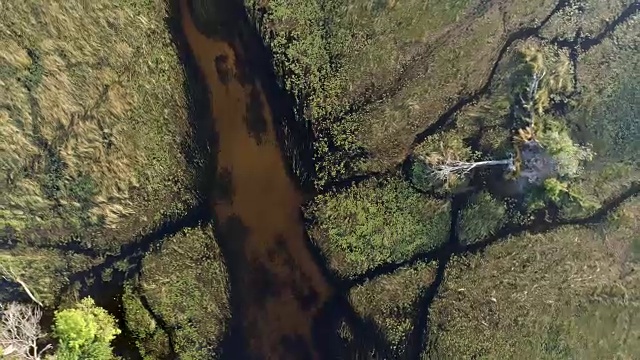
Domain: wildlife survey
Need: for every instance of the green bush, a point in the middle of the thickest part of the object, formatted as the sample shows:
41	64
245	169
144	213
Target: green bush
185	284
482	217
84	332
151	340
376	222
568	155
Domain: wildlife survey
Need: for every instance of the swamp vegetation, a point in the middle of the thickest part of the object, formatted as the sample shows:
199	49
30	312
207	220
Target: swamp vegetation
319	179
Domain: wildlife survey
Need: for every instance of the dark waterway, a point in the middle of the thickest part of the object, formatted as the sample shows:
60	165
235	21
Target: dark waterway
278	290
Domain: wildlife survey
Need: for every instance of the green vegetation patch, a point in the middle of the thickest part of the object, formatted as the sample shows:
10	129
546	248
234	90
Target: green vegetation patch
321	47
84	331
376	222
609	108
621	234
185	284
328	53
390	302
91	120
607	113
539	297
151	340
482	217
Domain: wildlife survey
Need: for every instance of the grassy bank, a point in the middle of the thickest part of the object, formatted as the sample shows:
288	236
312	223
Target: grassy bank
180	301
391	303
571	293
93	122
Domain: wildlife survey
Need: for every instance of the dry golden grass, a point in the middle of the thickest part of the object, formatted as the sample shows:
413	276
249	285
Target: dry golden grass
92	115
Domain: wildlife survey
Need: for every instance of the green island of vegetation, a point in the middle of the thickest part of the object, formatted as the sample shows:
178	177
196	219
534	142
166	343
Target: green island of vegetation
472	190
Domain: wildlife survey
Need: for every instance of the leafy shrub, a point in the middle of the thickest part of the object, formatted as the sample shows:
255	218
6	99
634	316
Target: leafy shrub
185	284
376	222
568	155
482	217
85	332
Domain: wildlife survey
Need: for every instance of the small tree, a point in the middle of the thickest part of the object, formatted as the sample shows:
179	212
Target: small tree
85	332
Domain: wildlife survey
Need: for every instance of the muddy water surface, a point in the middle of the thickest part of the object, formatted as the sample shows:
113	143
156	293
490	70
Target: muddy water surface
277	289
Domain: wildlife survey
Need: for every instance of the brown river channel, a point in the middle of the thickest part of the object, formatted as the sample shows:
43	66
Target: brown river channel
277	288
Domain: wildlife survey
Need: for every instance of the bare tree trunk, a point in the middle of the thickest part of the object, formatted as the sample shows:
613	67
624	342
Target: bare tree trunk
459	168
11	275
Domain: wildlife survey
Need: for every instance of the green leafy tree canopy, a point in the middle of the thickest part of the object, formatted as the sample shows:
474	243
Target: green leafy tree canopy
85	332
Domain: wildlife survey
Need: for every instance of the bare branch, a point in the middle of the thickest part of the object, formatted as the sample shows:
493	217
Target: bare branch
11	276
460	168
20	331
535	82
48	347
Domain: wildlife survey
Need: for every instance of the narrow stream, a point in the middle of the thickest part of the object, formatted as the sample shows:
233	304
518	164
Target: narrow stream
277	290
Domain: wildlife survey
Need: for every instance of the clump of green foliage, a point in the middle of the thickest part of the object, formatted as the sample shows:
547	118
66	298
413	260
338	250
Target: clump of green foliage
185	284
568	155
151	340
376	222
482	217
390	302
84	332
